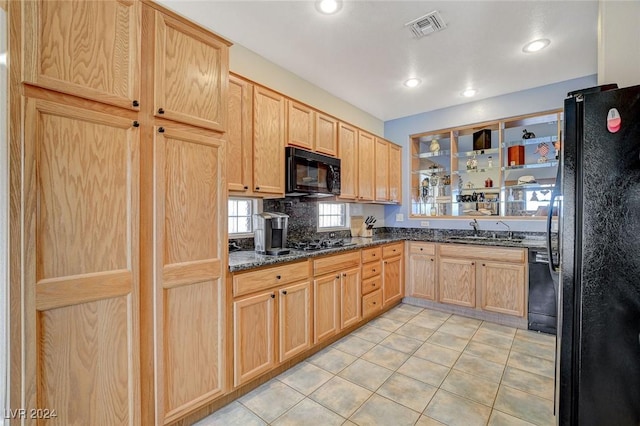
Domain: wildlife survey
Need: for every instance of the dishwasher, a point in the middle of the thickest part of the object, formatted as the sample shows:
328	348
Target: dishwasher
542	293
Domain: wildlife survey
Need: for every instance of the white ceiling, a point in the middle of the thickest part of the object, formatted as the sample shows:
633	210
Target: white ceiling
364	53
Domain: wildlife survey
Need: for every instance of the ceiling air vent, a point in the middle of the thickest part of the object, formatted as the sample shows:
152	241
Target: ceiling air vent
427	24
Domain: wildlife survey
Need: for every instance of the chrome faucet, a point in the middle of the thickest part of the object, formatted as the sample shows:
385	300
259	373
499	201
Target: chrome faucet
475	225
509	233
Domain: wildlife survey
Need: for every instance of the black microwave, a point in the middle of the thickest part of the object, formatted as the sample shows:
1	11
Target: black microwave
311	174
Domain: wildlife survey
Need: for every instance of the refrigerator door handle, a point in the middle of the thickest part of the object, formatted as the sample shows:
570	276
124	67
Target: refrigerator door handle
552	265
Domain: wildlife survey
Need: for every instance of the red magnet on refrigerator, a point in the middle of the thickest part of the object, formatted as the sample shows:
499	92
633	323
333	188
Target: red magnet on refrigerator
613	120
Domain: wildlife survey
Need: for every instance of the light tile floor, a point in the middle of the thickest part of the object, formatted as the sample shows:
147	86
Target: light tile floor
411	366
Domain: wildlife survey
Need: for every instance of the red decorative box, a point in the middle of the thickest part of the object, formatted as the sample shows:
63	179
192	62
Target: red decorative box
515	155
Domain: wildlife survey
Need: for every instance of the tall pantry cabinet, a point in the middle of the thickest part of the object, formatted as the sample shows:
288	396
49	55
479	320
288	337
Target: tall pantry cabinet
118	212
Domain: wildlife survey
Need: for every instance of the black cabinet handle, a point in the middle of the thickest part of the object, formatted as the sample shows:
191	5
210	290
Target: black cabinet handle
337	277
484	264
257	188
374	303
273	295
136	124
373	270
160	111
432	259
473	263
421	249
278	277
246	187
136	103
284	292
160	129
373	285
344	275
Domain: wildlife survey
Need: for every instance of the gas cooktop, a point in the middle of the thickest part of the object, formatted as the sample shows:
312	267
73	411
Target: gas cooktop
310	245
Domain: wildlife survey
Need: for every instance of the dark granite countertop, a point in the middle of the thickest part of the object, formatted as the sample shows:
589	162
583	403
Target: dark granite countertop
244	260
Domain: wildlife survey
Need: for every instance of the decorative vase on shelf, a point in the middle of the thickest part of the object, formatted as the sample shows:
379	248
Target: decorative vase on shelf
435	145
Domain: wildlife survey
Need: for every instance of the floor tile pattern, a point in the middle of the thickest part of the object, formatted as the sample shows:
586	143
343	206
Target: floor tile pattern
411	366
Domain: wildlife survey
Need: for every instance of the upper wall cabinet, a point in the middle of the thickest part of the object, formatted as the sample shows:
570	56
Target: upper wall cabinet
500	168
348	153
89	49
239	136
326	141
190	78
268	142
300	120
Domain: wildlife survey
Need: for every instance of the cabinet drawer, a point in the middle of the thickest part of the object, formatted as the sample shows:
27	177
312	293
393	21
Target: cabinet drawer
249	282
422	248
340	262
501	254
371	303
372	284
371	254
392	250
371	269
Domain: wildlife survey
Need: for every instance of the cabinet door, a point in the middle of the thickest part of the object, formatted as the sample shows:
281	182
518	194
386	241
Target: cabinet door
326	294
239	136
503	287
392	282
300	122
268	142
253	337
366	166
457	278
190	206
86	48
422	276
372	303
294	313
191	74
381	170
348	153
350	299
395	173
81	265
326	135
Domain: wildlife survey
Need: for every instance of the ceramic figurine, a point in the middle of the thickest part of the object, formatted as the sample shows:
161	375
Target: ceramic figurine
435	146
528	135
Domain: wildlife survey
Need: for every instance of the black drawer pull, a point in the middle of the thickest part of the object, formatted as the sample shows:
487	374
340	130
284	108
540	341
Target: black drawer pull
160	111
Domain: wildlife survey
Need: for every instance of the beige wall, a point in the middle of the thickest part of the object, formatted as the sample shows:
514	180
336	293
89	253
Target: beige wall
246	63
619	43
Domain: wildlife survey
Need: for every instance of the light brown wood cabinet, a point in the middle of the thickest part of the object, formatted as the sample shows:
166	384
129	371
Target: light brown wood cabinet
268	142
422	270
503	287
366	167
190	78
489	278
261	297
240	136
81	274
336	294
381	169
395	173
122	285
348	153
371	281
326	135
189	289
300	125
68	50
457	281
392	273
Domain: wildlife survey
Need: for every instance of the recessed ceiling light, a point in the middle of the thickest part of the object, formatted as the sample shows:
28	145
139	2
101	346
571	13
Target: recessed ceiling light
328	7
412	82
536	45
469	93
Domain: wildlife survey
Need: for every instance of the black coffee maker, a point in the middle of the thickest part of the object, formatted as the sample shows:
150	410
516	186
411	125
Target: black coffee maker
270	233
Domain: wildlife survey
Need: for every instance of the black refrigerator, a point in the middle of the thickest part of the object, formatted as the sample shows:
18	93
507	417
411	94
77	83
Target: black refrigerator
598	345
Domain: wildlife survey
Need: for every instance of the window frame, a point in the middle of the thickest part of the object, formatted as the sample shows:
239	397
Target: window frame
256	207
347	217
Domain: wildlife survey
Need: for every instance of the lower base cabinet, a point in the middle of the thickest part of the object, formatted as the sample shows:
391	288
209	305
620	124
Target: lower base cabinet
422	270
371	303
493	279
392	273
